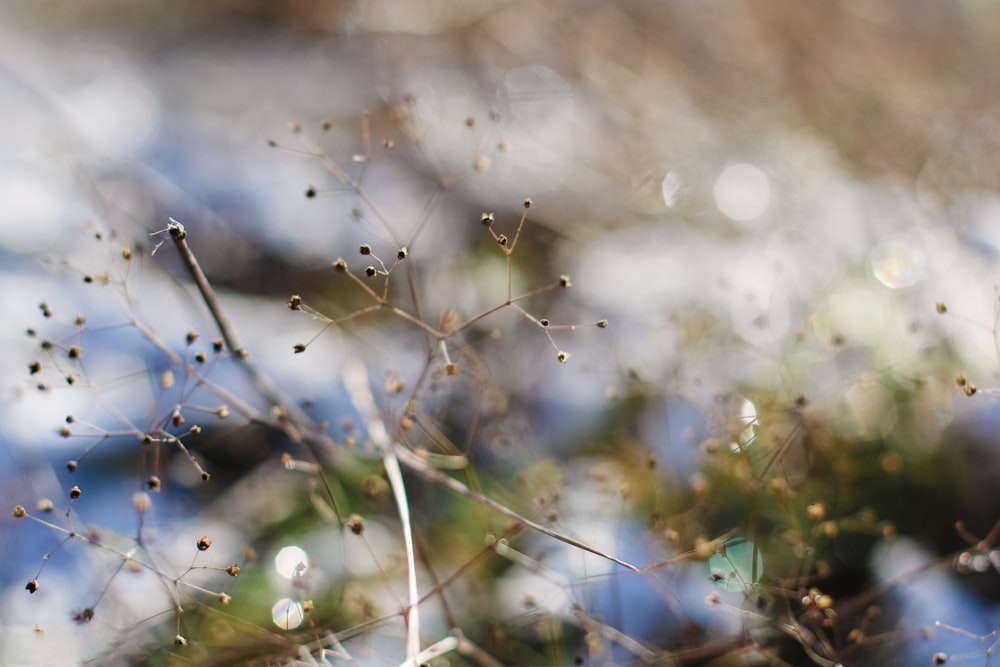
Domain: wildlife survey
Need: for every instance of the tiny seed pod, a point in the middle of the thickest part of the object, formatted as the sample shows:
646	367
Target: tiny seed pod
940	658
299	348
218	345
365	249
71	466
960	381
200	357
941	308
603	324
970	389
527	203
191	336
544	322
75	492
153	483
339	265
371	271
179	640
310	192
294	302
564	281
563	357
126	253
32	586
74	352
19	512
233	570
80	319
356	524
204	543
34	367
487	220
502	239
205	477
402	253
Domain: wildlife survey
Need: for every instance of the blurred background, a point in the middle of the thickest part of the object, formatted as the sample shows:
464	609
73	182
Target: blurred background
787	212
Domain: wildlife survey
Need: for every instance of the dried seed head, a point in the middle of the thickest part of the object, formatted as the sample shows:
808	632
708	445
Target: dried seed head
310	192
339	265
544	322
204	543
487	219
940	658
191	336
222	411
402	253
153	483
451	369
603	324
72	466
19	512
502	239
356	524
75	492
308	606
371	271
80	319
960	380
74	352
233	570
32	586
200	358
179	640
218	345
205	477
141	502
564	281
65	432
941	308
970	389
365	249
299	348
34	367
563	356
527	203
816	512
224	599
44	307
126	253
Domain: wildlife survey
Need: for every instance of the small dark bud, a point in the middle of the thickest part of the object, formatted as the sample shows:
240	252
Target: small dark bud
402	253
310	192
204	543
299	348
365	249
295	302
339	265
75	492
370	271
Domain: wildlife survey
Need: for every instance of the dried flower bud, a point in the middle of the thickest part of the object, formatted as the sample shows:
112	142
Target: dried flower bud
179	640
371	271
126	253
233	570
564	281
487	219
339	265
191	336
34	367
356	524
204	543
75	492
153	483
218	345
603	324
32	586
544	322
299	348
365	249
74	352
451	369
200	358
563	357
402	253
222	411
72	466
80	319
941	308
310	192
527	203
19	512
